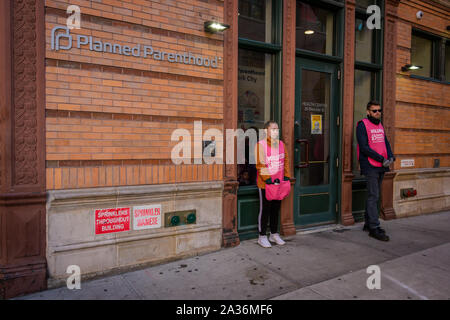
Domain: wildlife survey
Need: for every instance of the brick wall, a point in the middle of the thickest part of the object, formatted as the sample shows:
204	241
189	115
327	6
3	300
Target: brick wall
422	117
109	117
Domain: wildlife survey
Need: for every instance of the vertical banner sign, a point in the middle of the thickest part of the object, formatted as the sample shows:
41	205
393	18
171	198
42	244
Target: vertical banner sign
146	217
112	220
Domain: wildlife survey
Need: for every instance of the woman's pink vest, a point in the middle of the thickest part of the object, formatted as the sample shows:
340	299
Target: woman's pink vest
375	134
274	160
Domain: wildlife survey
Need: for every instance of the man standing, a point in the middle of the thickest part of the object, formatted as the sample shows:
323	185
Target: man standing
375	156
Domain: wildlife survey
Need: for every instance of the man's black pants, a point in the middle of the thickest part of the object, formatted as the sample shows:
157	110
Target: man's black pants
374	180
268	210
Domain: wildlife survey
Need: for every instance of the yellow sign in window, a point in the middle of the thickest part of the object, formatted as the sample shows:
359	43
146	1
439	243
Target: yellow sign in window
316	124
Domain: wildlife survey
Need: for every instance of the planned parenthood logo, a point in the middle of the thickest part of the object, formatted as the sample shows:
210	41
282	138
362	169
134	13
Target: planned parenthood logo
60	33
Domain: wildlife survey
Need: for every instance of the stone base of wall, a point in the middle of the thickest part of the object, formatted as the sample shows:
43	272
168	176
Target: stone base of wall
72	239
433	191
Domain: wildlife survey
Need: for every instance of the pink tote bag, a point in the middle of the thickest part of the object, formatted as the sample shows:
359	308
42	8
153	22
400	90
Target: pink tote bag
275	164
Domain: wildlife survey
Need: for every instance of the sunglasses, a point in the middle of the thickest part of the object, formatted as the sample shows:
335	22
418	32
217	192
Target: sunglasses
376	110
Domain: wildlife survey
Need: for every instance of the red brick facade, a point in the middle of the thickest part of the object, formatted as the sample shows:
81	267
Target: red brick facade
422	114
109	117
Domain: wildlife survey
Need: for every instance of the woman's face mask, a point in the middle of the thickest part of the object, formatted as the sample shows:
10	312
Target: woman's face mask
274	133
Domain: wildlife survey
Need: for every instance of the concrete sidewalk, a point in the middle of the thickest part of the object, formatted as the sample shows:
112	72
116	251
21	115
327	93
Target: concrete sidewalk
327	264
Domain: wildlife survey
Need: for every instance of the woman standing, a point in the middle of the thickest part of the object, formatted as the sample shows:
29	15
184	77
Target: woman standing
272	164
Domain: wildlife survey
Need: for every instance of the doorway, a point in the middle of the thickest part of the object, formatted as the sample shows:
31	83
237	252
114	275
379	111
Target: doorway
316	138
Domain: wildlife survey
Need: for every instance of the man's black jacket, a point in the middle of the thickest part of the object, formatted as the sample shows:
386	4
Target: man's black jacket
365	151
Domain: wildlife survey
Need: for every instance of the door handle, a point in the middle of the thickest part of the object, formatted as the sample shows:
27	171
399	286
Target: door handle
297	126
306	142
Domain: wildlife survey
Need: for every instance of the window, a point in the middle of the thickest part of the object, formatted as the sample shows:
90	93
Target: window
315	127
259	63
364	42
255	20
368	42
368	69
314	28
430	52
254	88
366	89
364	3
422	55
254	102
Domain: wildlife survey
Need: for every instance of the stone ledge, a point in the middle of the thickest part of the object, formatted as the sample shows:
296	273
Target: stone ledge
133	190
165	232
404	173
86	196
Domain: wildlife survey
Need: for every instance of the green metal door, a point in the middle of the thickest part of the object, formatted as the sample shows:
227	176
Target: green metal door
316	142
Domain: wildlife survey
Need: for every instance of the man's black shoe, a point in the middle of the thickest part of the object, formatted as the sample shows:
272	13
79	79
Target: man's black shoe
377	234
366	228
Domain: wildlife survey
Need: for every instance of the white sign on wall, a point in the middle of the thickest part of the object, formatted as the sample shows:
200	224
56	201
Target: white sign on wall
147	217
407	163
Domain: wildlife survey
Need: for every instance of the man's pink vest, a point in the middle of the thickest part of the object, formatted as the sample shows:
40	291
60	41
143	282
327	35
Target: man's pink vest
375	134
275	166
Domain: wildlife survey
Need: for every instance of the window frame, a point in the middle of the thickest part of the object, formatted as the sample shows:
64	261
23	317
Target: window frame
277	39
438	55
377	43
377	40
376	89
434	52
338	32
361	8
274	48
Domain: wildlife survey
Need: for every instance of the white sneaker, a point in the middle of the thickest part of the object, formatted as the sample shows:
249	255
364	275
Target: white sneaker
276	238
264	242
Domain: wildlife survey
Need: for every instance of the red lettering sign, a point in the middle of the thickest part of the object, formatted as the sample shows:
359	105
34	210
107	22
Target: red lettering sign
112	220
146	217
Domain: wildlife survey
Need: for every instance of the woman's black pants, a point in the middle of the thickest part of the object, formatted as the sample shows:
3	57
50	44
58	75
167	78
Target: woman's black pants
268	211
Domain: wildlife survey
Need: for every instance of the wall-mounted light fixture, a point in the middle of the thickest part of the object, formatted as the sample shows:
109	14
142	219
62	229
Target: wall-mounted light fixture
214	27
309	31
409	67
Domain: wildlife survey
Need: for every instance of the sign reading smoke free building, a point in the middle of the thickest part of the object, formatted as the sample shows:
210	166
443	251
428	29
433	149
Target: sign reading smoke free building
147	217
136	51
